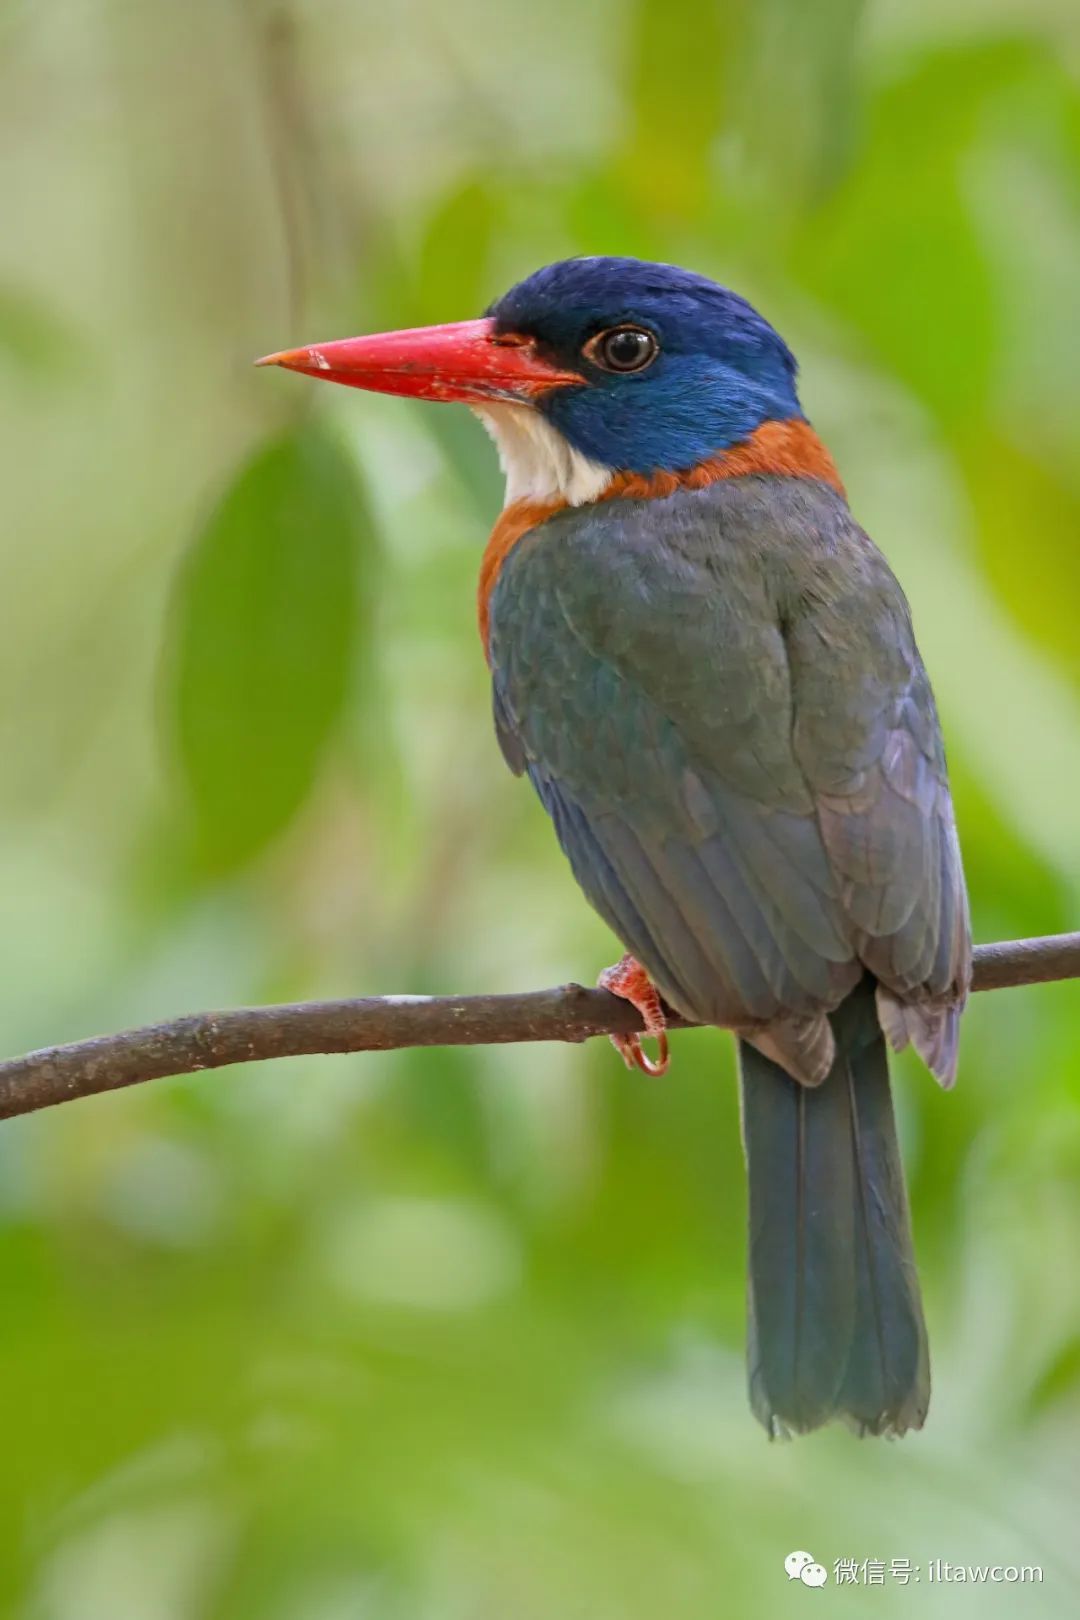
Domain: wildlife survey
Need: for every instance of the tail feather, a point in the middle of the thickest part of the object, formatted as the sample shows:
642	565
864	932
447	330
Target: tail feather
836	1324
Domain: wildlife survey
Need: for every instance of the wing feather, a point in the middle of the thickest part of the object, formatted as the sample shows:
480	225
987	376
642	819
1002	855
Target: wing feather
719	699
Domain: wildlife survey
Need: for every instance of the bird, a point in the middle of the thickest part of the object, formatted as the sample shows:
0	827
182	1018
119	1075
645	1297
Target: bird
708	672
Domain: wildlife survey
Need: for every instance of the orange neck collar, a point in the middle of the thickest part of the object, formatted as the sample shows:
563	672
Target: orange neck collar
788	449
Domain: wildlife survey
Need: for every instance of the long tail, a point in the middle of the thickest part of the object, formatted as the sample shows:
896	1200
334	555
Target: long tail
835	1319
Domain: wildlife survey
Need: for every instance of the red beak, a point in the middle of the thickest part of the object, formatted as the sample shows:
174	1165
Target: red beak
463	361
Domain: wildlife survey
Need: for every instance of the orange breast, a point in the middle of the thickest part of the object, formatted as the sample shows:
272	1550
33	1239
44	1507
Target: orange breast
513	521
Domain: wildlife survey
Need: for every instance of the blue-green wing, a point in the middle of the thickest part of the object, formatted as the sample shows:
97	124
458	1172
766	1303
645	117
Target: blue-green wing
719	700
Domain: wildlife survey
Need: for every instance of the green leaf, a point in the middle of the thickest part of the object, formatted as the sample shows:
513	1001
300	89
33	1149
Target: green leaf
452	273
678	94
897	249
266	622
34	340
1028	518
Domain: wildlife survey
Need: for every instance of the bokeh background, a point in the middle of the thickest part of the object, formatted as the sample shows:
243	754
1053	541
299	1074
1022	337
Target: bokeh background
454	1335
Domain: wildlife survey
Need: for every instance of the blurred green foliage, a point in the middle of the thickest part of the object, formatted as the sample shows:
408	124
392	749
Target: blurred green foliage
450	1335
265	634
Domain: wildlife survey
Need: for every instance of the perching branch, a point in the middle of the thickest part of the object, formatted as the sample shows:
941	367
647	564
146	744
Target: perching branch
568	1013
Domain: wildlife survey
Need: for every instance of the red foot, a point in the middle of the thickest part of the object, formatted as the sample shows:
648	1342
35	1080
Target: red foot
629	980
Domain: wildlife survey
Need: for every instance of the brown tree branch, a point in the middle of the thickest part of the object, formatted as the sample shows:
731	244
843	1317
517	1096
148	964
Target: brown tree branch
568	1013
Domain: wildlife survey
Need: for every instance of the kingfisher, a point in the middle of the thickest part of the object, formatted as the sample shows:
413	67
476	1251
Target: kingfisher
707	671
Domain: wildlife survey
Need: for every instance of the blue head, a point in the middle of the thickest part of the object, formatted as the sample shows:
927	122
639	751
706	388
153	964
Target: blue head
635	367
672	367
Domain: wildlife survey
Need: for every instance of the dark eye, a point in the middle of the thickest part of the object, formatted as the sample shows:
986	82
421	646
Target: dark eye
623	348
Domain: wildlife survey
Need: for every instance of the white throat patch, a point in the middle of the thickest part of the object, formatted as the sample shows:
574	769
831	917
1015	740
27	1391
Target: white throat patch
539	464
